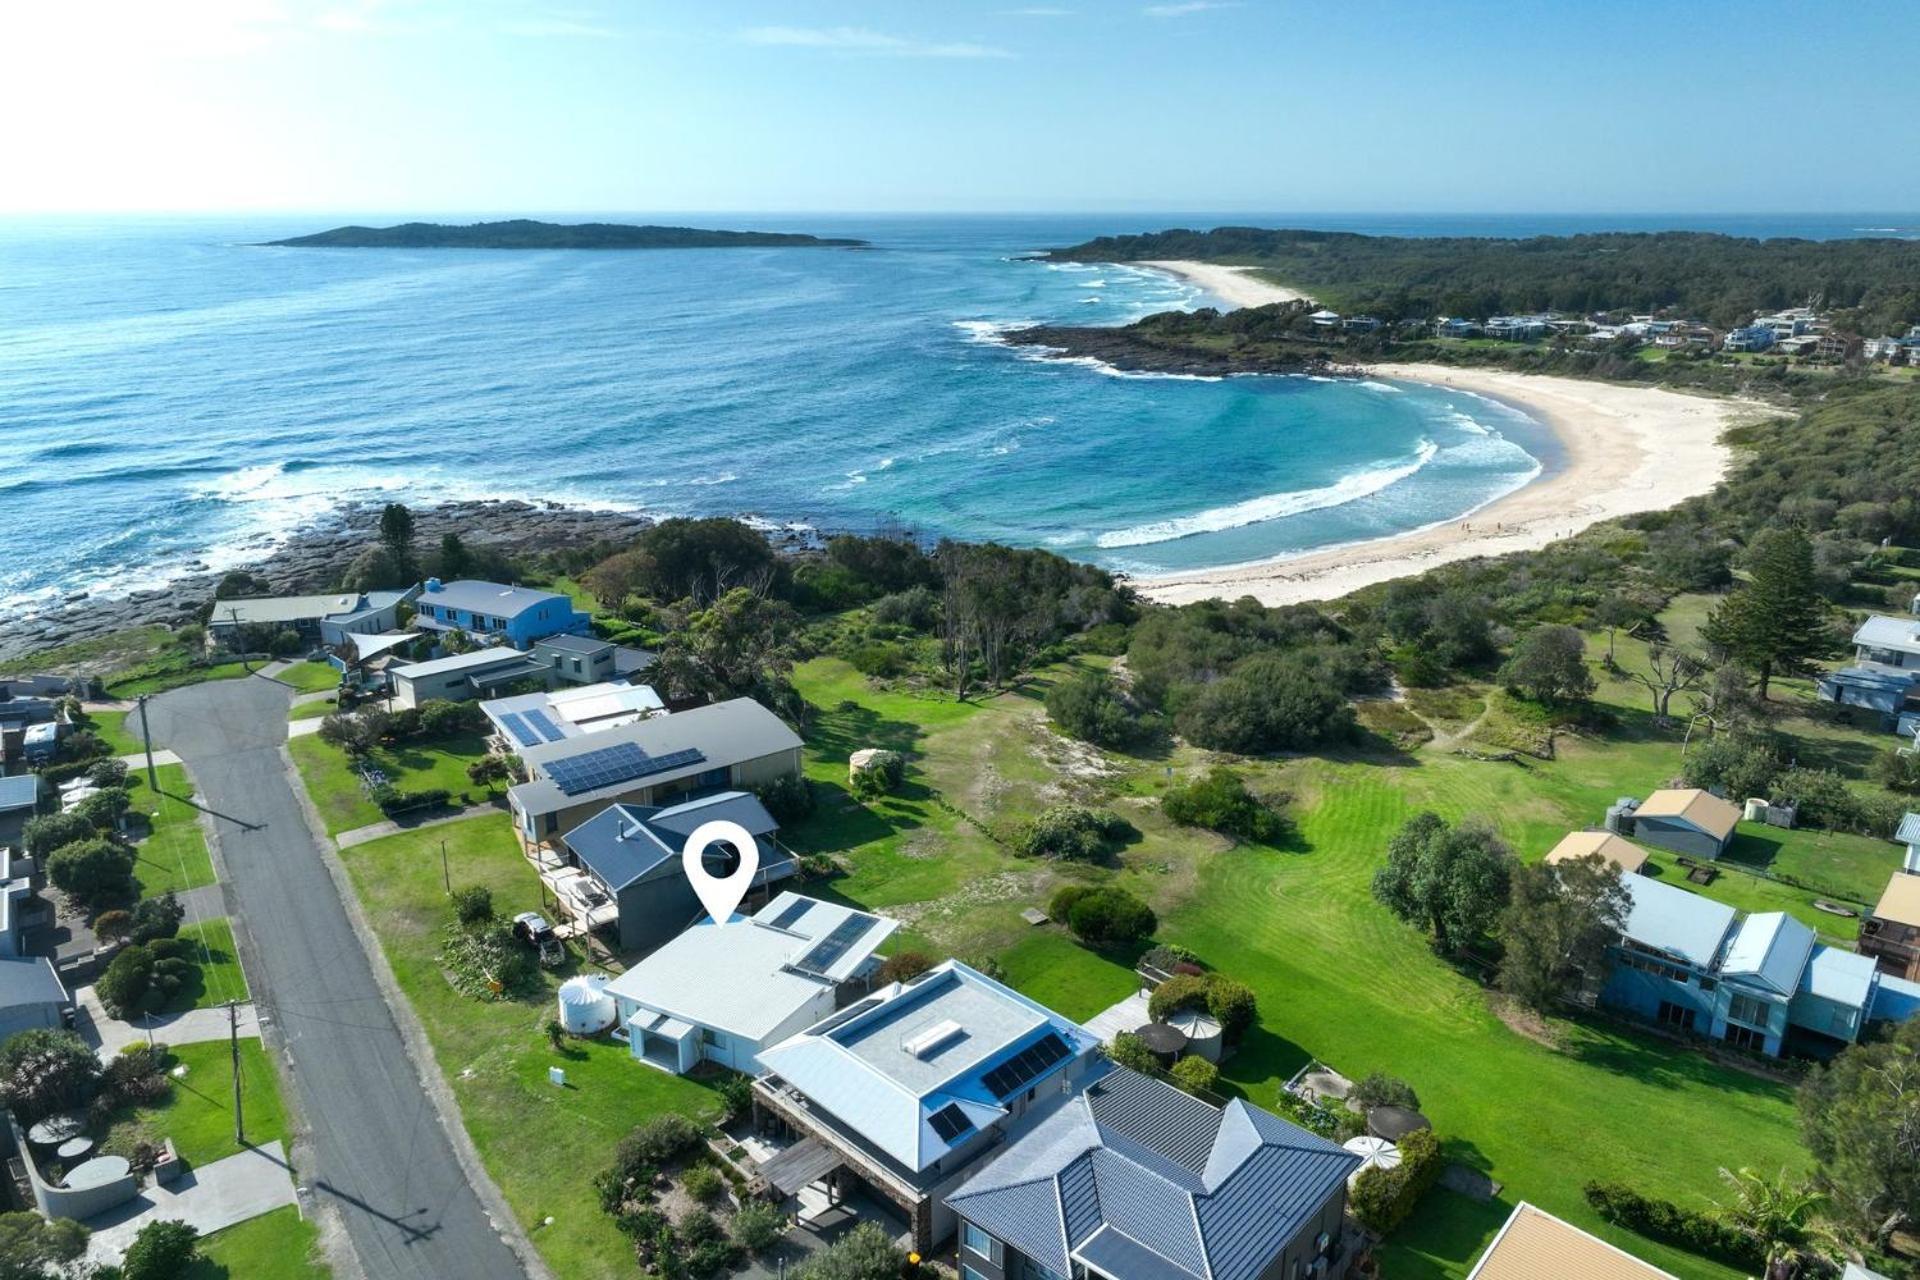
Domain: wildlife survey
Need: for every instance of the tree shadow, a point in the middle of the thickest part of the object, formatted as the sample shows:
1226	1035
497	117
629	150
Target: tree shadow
1262	1055
836	733
1665	1064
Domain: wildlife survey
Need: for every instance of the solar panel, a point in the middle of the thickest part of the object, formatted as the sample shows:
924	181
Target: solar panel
1012	1075
793	912
622	762
830	948
949	1122
547	729
517	729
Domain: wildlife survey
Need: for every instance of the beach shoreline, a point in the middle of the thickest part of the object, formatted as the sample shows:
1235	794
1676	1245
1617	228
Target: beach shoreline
1627	450
1232	285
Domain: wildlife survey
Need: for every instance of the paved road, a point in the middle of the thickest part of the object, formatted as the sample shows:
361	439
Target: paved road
379	1154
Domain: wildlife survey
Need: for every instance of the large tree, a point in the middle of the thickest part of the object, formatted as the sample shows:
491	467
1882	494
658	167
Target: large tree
1549	664
1557	926
1860	1117
1451	881
396	538
1774	624
43	1071
36	1248
1669	671
742	646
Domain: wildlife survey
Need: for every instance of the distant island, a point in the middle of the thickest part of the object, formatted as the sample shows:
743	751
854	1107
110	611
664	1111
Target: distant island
525	233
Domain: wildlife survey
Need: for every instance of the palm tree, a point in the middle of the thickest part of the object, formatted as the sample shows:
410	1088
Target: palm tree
1780	1215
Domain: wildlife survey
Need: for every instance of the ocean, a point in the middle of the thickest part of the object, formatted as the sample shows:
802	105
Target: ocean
173	396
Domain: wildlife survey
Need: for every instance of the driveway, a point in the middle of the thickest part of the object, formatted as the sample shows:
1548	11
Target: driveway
379	1155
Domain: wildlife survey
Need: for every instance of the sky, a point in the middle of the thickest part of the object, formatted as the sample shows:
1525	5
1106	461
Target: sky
957	106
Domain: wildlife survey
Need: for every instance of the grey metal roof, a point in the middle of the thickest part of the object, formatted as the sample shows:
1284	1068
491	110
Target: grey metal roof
725	734
1083	1184
19	792
1770	948
272	609
1840	976
625	843
491	598
1674	921
24	982
1882	632
585	646
1909	832
478	659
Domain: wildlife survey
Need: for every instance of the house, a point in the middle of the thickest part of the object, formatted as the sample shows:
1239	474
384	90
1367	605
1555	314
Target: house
1885	670
1360	324
317	620
19	797
630	855
31	995
1623	854
517	615
20	715
1757	983
530	719
1908	834
577	659
1686	820
1836	346
1535	1245
1755	337
1891	932
1804	345
1517	328
1130	1178
461	676
909	1089
785	969
735	745
16	899
1455	327
1325	319
1880	348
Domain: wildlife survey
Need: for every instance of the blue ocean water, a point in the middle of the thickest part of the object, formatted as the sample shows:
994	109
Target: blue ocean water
173	395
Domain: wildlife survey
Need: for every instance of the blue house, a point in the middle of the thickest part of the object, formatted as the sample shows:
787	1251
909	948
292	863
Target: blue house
1883	676
1757	337
518	615
1133	1178
1689	963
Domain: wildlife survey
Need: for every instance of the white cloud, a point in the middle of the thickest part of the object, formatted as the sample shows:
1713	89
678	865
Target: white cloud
863	40
1184	7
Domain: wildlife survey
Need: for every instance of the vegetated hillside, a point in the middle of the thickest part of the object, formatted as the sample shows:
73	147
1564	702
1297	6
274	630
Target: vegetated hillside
1718	278
525	233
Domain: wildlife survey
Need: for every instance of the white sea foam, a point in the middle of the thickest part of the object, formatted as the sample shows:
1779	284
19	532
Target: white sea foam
1273	506
1385	388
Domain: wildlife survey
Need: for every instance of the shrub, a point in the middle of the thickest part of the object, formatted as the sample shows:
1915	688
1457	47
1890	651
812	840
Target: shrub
704	1183
916	608
736	1094
1269	702
162	1251
108	774
137	1076
93	872
1232	1005
1060	905
138	981
883	772
1219	801
1196	1075
1090	707
1111	917
175	948
788	798
1663	1220
1382	1198
155	918
657	1141
758	1226
486	961
440	718
1822	798
1738	764
1074	833
1382	1090
1169	956
1183	991
54	831
865	1253
393	801
473	904
1897	772
1129	1050
879	659
44	1071
112	926
905	966
105	809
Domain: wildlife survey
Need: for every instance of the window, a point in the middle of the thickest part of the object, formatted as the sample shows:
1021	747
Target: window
1750	1010
968	1273
1709	984
1031	1270
1745	1037
979	1243
710	1037
1675	1015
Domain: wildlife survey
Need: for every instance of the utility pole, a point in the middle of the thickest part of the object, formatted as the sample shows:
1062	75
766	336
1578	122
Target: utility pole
446	876
146	737
233	616
233	1039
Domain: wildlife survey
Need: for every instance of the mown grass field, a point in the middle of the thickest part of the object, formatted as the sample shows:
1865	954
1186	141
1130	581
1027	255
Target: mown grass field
217	976
274	1246
412	766
173	854
198	1113
310	677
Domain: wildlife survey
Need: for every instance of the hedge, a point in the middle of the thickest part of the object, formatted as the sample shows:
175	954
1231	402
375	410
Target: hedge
1666	1221
1382	1198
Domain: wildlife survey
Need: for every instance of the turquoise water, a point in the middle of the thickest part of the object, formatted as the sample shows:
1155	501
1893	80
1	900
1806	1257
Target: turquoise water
171	394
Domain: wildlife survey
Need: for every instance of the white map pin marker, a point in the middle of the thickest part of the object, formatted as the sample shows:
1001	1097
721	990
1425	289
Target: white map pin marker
720	895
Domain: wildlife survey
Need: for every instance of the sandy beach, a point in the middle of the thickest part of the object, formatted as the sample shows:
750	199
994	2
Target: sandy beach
1628	449
1230	284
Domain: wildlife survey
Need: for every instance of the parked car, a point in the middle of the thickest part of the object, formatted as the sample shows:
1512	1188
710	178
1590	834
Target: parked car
532	928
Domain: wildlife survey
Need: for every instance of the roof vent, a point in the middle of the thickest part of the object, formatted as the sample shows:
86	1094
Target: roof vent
433	584
923	1044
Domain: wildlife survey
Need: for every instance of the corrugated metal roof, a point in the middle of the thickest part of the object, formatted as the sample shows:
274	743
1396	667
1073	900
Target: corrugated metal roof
1900	902
491	598
268	610
479	658
1883	632
1578	844
1840	976
1114	1253
1771	948
1909	832
625	843
1691	805
21	791
1535	1245
1674	921
24	982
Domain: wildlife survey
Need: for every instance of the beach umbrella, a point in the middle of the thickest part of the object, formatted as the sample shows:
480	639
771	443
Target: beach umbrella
1375	1153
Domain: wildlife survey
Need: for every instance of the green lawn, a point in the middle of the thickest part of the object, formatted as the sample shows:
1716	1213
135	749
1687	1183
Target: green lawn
495	1055
198	1114
311	677
217	976
120	730
312	710
280	1245
170	673
173	855
412	766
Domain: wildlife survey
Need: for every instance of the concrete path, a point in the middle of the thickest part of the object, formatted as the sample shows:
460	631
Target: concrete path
304	726
138	760
1129	1015
255	1181
360	835
379	1155
109	1035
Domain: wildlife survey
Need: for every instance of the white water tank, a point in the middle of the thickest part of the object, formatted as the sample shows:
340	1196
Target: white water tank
585	1007
1202	1031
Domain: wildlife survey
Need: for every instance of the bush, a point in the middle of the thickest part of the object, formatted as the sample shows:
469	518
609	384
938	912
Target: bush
789	798
1822	798
1382	1090
1060	905
1090	707
1665	1221
865	1253
1382	1198
137	1076
393	801
736	1094
881	774
105	809
1111	917
486	961
1181	992
1196	1075
440	718
658	1141
1232	1005
112	926
1736	764
1073	833
704	1183
1897	772
171	949
93	872
1269	702
1169	957
1129	1050
138	982
54	831
108	774
905	966
155	918
44	1071
473	904
916	608
758	1226
162	1251
879	659
1219	801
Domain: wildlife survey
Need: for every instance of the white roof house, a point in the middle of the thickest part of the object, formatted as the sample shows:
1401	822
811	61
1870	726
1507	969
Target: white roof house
554	715
1887	635
724	993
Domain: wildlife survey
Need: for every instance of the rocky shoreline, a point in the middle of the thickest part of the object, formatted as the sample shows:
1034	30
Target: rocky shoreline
1129	351
313	560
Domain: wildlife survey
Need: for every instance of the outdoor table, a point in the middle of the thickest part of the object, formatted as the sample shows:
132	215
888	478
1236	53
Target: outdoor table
1164	1041
1395	1123
98	1172
74	1148
55	1130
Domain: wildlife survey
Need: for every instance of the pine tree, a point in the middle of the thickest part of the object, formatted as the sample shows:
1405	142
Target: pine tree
1776	623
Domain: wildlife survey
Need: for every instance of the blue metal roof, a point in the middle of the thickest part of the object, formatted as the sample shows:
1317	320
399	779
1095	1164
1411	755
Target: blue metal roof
1909	832
1840	976
1674	921
624	843
19	792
